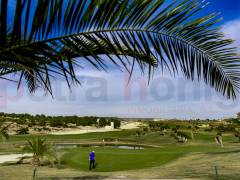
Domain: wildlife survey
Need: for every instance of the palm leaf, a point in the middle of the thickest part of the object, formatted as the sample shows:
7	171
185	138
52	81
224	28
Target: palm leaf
46	40
4	131
37	146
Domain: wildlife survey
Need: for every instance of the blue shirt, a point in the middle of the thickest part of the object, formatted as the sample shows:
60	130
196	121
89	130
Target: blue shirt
92	156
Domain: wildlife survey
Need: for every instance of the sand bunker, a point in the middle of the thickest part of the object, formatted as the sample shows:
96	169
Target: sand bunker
12	157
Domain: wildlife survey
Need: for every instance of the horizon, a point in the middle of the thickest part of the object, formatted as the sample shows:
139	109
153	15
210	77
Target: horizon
124	118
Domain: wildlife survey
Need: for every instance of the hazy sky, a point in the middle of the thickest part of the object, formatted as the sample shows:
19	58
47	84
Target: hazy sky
109	94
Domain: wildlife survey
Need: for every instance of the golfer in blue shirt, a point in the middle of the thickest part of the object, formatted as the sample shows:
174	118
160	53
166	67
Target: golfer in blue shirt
91	160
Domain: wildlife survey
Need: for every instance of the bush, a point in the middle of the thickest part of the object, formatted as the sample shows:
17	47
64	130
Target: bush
20	121
145	129
45	129
183	134
23	131
42	122
54	122
102	122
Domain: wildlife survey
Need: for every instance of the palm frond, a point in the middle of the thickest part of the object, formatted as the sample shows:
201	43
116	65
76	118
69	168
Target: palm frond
40	148
37	146
45	39
4	132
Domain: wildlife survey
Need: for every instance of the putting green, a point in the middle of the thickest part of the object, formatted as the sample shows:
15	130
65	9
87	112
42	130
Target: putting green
112	159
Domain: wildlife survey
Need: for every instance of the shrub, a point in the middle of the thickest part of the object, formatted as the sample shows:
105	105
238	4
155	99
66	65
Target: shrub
54	122
42	122
102	122
23	131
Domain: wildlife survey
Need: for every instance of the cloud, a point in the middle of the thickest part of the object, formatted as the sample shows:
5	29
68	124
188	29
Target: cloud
231	29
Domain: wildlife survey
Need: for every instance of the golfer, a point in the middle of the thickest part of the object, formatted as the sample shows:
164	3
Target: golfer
91	160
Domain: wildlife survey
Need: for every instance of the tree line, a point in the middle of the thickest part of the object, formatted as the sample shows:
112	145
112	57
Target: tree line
58	121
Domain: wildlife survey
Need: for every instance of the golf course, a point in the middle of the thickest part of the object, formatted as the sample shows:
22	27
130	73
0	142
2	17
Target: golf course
130	154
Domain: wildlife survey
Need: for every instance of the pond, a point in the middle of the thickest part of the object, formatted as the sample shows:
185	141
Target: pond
62	146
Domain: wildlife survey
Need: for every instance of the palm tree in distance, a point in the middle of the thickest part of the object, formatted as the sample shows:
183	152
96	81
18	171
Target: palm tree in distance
40	40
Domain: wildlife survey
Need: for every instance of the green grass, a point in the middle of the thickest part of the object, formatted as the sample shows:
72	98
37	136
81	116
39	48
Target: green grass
92	136
168	151
125	136
112	159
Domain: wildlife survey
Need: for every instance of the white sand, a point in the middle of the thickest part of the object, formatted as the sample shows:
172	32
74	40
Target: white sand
12	157
81	131
131	125
88	129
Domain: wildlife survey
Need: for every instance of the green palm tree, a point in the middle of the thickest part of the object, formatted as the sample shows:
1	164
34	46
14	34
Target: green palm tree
40	40
39	148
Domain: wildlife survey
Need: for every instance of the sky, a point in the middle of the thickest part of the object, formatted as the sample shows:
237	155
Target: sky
110	94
